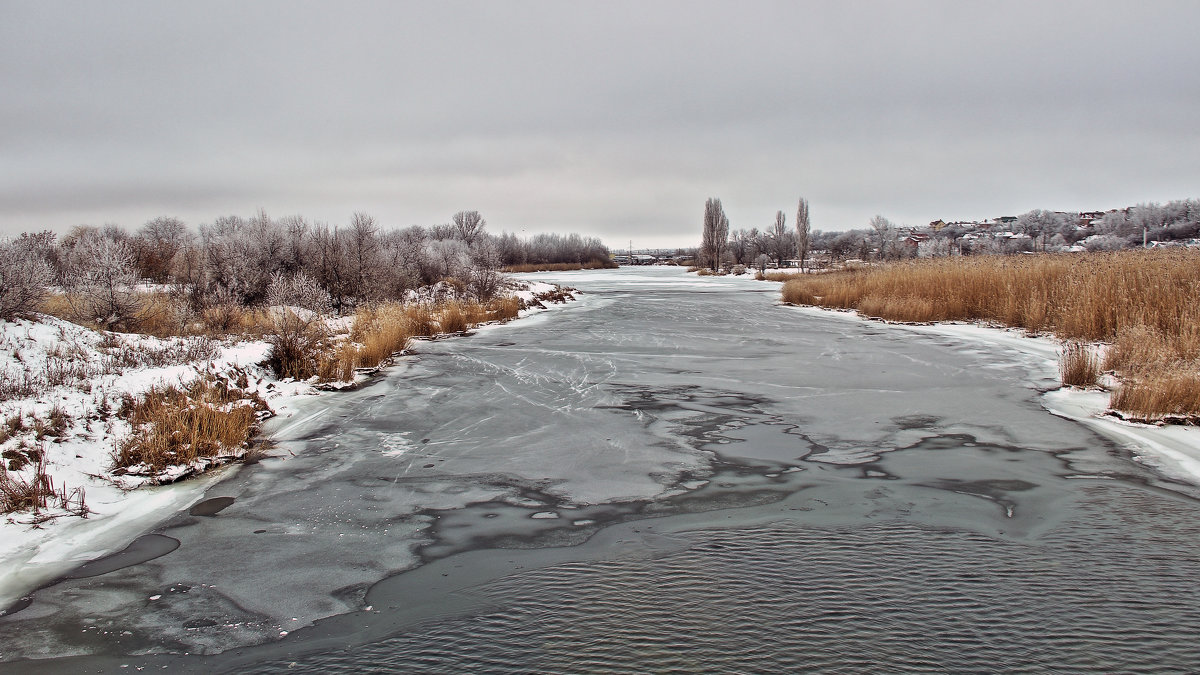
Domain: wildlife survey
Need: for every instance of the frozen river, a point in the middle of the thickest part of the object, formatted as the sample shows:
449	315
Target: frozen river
671	474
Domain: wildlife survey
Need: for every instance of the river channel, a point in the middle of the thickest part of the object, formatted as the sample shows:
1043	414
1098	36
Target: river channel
672	474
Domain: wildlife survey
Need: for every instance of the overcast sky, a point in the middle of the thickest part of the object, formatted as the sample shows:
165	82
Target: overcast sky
612	119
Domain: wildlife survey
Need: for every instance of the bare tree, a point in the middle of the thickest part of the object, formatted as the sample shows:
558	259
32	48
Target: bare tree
803	232
715	234
486	278
362	246
739	247
779	238
156	243
469	225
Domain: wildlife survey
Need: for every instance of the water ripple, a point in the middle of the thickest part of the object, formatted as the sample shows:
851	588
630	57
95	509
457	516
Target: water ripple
785	597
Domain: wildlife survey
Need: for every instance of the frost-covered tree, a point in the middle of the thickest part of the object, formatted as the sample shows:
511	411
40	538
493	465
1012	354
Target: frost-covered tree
887	237
933	247
512	252
298	290
486	278
362	254
100	281
242	255
469	226
445	258
1105	242
24	275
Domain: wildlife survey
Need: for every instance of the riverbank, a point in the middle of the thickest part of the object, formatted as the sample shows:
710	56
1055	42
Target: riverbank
37	547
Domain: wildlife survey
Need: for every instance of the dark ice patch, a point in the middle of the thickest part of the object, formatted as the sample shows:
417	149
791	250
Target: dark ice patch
143	549
210	507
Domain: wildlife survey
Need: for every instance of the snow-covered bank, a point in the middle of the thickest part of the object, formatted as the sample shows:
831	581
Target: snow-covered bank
78	452
1171	449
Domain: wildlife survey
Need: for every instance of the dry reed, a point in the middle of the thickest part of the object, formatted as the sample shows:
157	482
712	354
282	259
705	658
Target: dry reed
452	318
1078	365
379	332
18	492
1147	303
777	276
174	425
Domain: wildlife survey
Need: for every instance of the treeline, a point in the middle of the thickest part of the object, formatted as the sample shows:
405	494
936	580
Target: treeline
720	248
542	249
1174	223
241	261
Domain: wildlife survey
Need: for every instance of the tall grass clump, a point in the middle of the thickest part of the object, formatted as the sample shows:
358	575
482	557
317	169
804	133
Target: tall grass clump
1078	365
453	318
1145	303
378	333
174	425
504	309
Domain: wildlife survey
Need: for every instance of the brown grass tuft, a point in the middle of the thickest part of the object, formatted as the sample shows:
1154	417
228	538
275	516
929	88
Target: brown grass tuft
173	425
421	321
452	318
1078	365
777	276
504	309
1171	396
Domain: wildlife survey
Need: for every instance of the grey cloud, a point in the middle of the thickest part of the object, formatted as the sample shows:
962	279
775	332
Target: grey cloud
615	119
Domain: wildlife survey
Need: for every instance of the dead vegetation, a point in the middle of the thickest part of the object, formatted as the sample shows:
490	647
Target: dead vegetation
1078	365
382	331
178	425
33	490
1145	304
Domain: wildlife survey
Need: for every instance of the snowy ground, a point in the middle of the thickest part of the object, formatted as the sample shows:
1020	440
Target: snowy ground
1174	450
91	371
